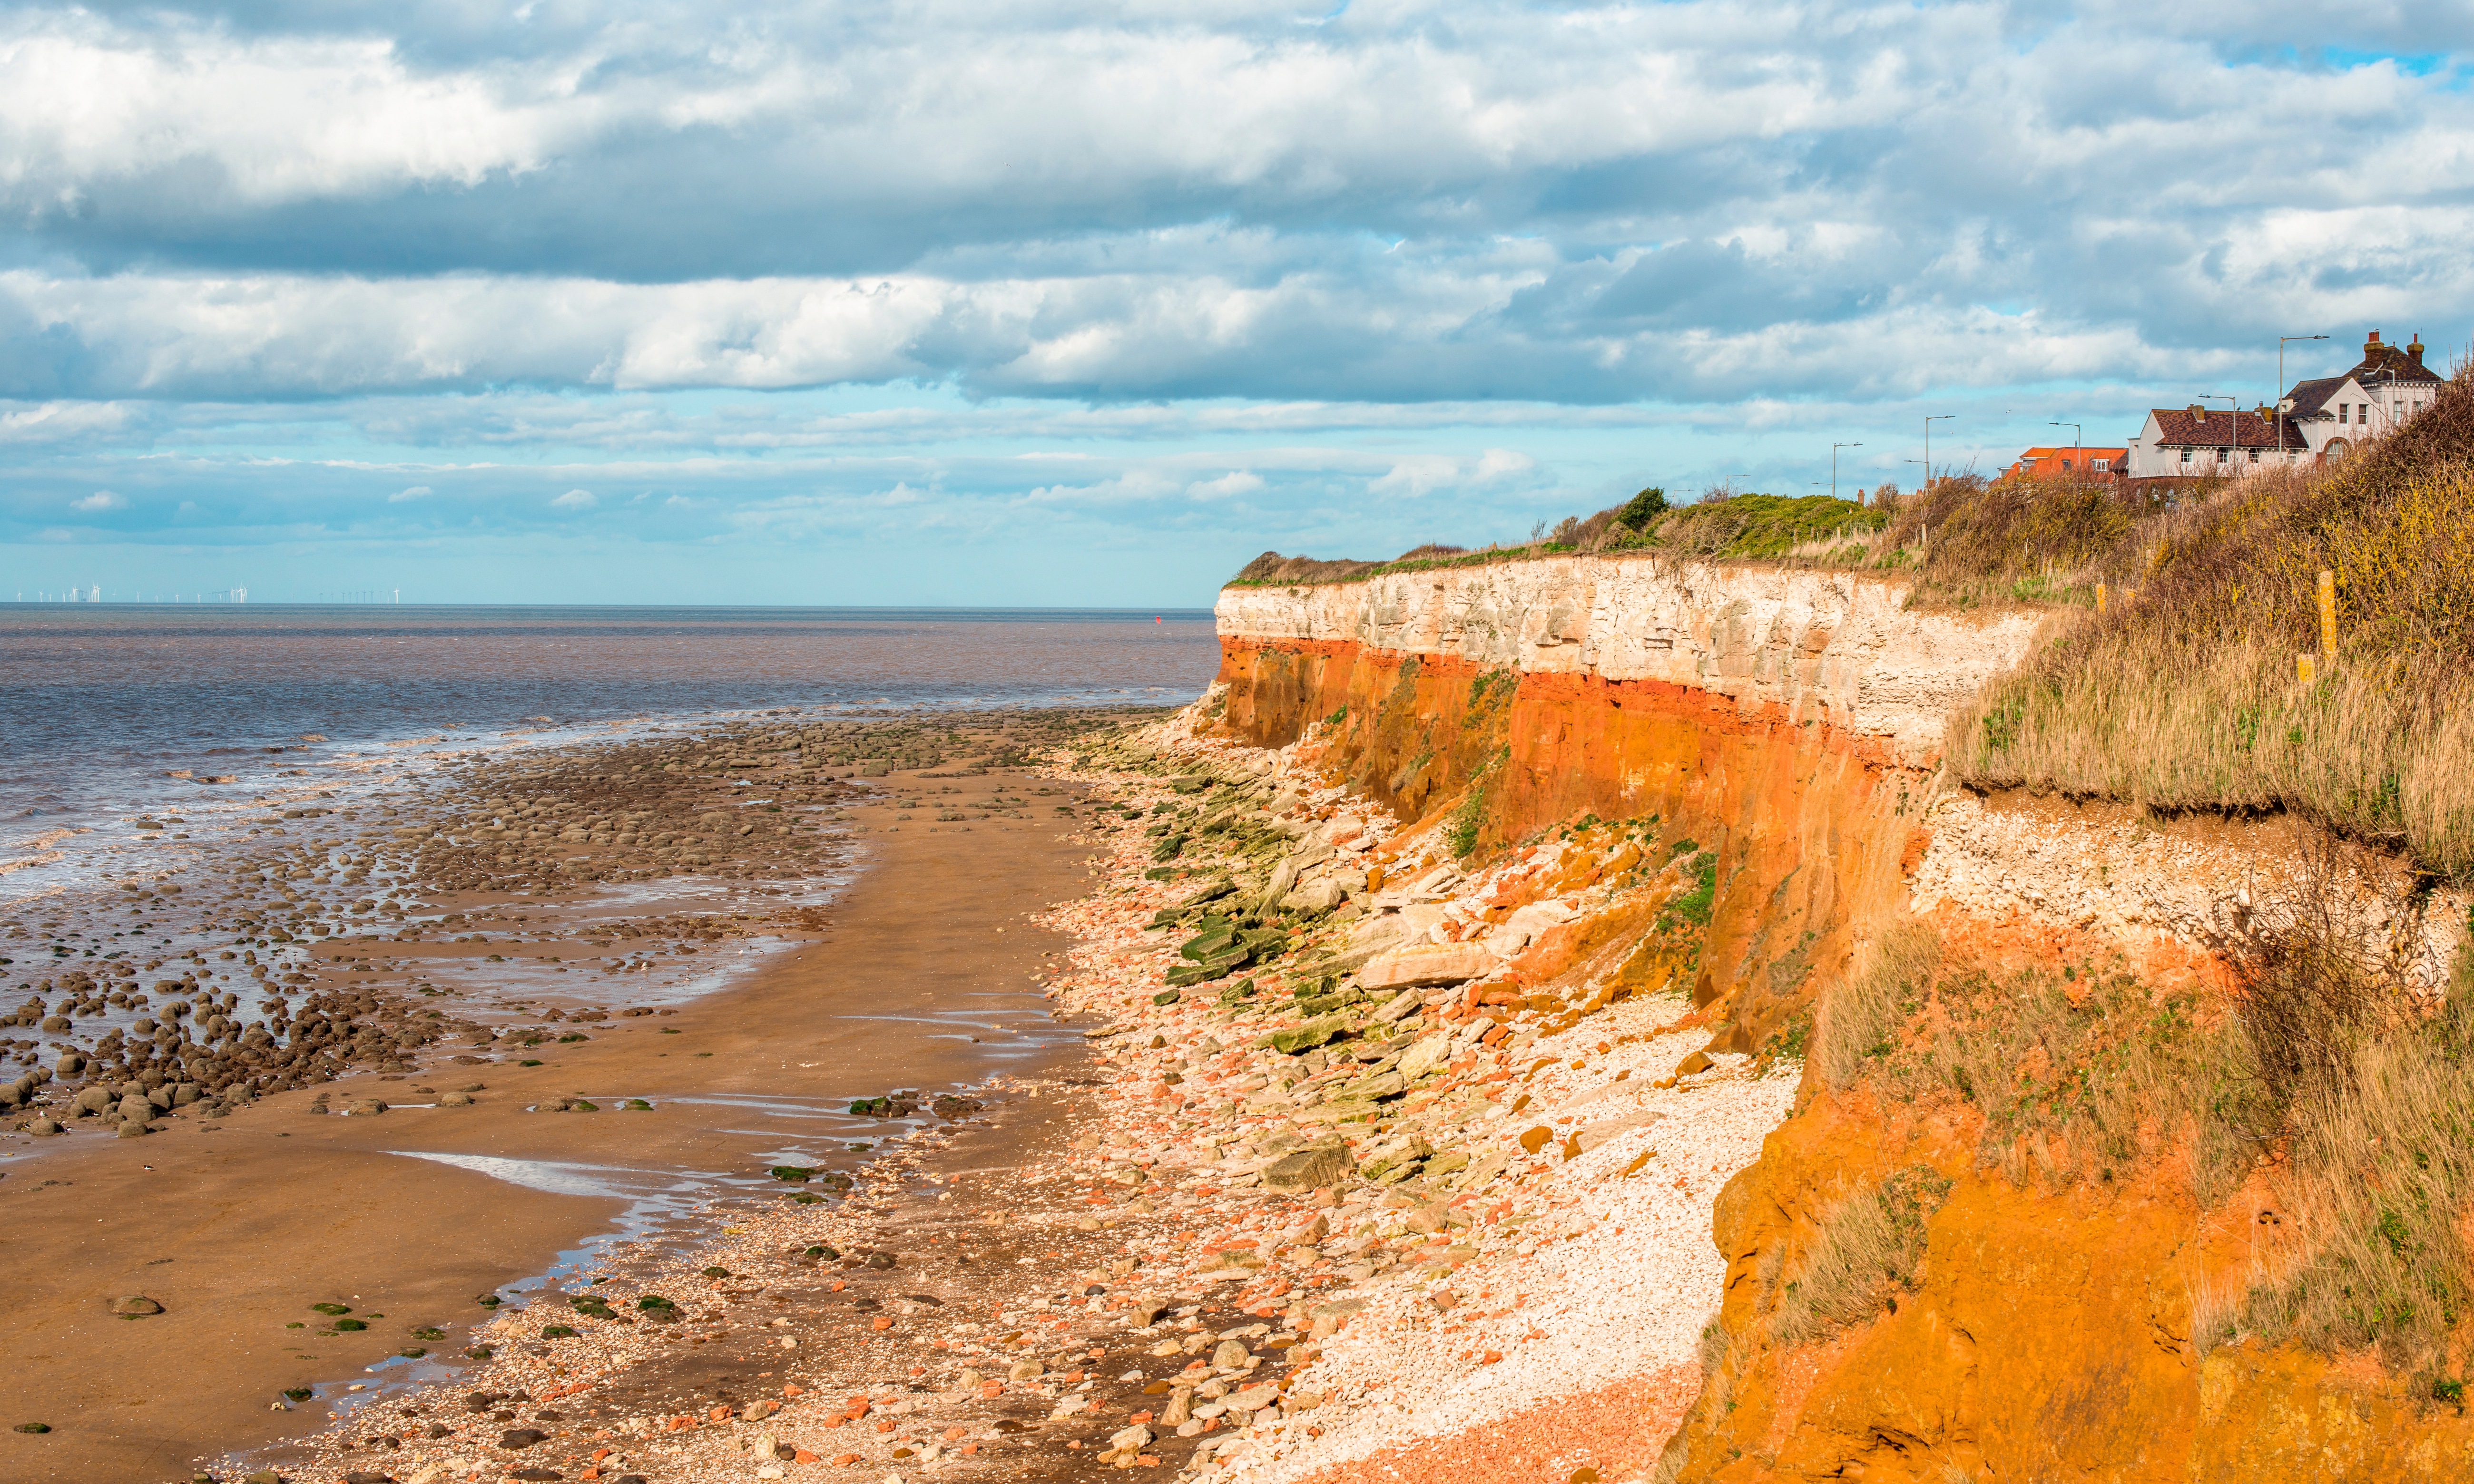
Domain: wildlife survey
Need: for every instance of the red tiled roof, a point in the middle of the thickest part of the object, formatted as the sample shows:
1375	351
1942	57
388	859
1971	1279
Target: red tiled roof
2219	429
2380	361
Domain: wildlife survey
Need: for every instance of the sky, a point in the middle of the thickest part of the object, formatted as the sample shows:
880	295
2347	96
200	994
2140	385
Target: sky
1011	302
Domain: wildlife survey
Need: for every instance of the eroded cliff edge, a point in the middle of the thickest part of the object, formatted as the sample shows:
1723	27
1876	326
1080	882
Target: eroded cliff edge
2023	1221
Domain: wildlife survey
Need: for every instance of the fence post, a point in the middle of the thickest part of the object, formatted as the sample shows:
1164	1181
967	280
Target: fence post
2099	597
2328	615
2302	666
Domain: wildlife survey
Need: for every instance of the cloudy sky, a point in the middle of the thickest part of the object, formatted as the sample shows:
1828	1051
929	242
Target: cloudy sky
1014	302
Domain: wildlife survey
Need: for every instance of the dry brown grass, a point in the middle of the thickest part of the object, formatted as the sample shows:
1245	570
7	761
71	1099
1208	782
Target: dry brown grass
2375	1108
1973	541
2079	1075
1866	1249
2189	697
1861	1017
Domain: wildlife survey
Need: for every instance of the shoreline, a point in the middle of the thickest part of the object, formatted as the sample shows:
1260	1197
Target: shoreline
275	1209
1112	1266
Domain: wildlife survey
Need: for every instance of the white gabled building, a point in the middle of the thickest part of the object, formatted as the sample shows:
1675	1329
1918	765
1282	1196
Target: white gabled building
2321	420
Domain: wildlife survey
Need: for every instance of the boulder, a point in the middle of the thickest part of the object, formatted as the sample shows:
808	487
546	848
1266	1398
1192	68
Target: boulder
1309	1035
1424	1056
1311	1168
1526	924
1400	1007
1427	964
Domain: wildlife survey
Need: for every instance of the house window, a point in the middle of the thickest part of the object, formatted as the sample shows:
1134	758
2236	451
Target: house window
2185	455
2224	456
2341	414
2254	456
2102	466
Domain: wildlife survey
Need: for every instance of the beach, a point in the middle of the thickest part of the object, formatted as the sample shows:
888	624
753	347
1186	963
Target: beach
1274	1224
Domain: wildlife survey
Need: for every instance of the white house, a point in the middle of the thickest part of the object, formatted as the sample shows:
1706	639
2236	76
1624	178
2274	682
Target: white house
2321	420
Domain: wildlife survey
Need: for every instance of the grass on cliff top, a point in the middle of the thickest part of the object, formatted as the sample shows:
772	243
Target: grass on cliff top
2188	694
1723	526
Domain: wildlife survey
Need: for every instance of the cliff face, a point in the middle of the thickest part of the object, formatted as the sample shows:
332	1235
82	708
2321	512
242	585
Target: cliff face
1784	718
1807	649
2052	1317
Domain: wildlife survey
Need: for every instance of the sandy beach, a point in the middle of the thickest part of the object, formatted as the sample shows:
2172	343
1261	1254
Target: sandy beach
236	1223
1311	1215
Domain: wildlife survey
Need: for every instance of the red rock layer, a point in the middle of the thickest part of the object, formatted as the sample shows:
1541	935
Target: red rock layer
1810	824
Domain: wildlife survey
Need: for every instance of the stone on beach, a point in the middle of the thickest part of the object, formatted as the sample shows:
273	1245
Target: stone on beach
1310	1168
1426	964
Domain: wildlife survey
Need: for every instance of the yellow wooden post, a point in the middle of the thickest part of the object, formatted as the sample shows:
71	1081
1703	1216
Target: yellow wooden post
2302	666
2328	615
2099	597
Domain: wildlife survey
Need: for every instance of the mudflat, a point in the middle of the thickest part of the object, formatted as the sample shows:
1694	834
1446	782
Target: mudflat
237	1224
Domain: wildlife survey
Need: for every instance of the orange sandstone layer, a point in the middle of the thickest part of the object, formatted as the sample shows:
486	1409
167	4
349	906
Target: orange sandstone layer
1810	822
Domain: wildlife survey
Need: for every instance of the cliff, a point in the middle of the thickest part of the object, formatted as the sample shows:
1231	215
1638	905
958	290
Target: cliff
2034	1211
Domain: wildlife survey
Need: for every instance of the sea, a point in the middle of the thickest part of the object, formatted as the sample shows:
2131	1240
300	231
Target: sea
101	705
143	746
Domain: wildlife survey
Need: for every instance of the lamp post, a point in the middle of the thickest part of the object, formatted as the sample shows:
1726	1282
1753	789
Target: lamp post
2078	442
1939	416
1833	468
2280	387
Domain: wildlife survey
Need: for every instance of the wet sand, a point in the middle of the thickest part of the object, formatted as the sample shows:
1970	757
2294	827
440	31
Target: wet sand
273	1209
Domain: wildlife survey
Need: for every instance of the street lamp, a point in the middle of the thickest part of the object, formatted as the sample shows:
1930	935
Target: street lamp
1939	416
1833	468
2078	442
2280	388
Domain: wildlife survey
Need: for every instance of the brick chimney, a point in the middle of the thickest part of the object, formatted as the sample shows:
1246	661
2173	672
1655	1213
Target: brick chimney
2414	350
2371	346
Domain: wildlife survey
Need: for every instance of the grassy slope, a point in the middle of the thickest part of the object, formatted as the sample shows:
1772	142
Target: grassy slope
2189	695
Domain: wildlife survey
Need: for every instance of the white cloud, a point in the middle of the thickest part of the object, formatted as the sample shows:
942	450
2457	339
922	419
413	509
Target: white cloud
1422	475
575	499
61	422
100	500
1235	482
408	493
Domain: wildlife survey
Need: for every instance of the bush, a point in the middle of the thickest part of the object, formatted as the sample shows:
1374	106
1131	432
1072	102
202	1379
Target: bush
1766	526
1867	1248
1859	1014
